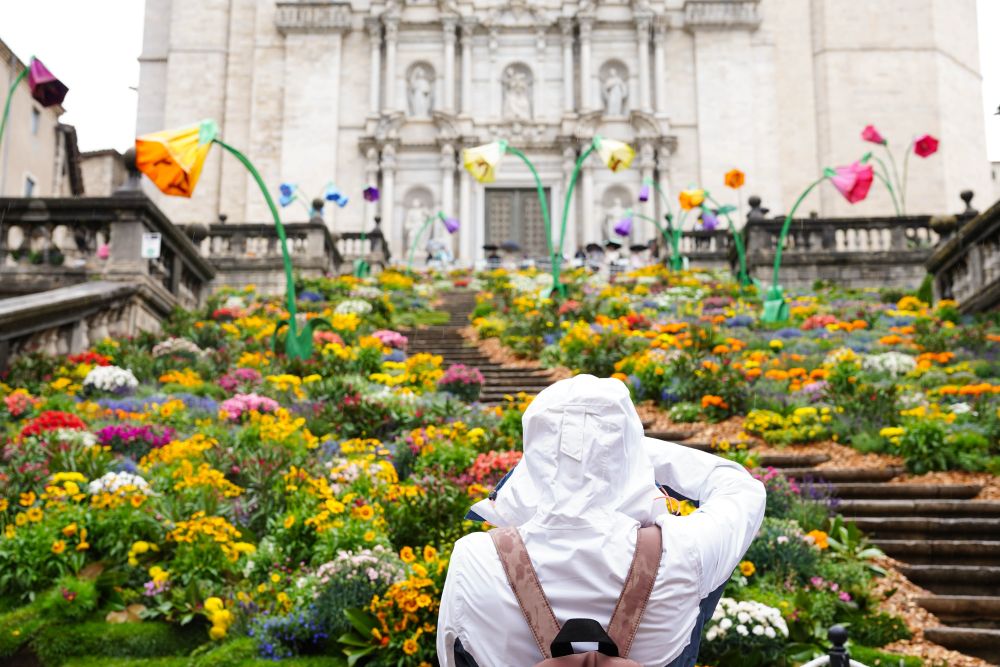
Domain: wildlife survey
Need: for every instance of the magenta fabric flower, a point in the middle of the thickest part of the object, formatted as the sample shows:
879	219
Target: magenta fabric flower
872	135
925	146
853	181
45	87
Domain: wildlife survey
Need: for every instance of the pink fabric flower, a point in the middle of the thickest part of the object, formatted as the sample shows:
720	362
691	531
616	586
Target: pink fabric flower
925	146
853	181
872	135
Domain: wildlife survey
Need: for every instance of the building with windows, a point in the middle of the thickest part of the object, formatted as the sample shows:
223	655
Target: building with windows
388	92
39	156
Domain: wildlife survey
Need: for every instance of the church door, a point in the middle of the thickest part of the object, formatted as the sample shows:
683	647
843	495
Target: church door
514	214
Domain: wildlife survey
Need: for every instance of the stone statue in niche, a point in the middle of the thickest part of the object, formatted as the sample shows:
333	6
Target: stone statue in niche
614	215
615	91
416	216
421	93
517	94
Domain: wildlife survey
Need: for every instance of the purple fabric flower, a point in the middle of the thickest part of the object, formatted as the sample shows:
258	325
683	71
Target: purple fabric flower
624	226
451	224
644	192
709	221
371	193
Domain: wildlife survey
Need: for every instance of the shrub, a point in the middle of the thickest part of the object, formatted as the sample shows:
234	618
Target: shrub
350	581
462	381
56	644
781	548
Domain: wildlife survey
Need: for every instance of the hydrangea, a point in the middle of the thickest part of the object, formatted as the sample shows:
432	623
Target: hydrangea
177	346
745	619
113	482
239	404
356	306
112	379
895	364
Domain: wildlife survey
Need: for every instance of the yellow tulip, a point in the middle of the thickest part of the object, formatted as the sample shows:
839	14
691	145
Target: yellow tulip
481	161
617	155
690	199
173	159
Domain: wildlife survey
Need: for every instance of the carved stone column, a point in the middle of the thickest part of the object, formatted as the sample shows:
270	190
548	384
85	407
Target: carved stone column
586	28
449	23
468	30
375	78
660	66
566	25
391	37
663	177
391	227
448	188
642	26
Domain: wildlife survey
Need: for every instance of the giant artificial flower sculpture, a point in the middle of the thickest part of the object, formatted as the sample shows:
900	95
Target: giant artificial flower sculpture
451	225
923	146
482	162
173	160
45	89
853	181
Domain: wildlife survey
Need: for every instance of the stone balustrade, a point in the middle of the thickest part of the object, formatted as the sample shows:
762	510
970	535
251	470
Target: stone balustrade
46	243
966	267
69	320
371	246
852	252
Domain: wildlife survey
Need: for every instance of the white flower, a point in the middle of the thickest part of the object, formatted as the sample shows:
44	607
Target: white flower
743	617
893	363
726	623
742	630
758	630
961	408
110	378
769	632
782	539
711	634
356	306
112	482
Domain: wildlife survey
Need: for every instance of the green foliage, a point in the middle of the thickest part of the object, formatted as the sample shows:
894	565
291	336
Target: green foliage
72	599
849	544
56	644
18	627
780	549
927	446
879	629
875	658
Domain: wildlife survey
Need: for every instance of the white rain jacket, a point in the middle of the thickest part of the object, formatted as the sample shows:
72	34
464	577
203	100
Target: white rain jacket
578	497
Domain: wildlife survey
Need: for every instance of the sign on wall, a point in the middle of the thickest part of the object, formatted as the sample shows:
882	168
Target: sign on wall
151	245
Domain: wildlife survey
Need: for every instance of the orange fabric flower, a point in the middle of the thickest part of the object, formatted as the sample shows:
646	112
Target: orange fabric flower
735	179
173	159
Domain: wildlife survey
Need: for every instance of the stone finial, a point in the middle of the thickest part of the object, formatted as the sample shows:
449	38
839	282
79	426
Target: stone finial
969	213
757	212
133	175
317	210
222	218
197	232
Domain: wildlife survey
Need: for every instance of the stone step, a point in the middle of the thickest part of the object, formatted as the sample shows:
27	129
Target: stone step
792	461
966	610
942	551
670	436
878	490
918	527
955	579
919	507
845	474
979	642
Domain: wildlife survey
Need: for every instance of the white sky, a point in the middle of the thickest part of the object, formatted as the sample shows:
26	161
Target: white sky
92	45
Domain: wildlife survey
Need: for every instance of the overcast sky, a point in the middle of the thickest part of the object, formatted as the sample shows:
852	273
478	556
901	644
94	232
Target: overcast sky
92	45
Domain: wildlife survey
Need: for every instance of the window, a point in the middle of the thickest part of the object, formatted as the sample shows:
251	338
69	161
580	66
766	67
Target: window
36	120
29	186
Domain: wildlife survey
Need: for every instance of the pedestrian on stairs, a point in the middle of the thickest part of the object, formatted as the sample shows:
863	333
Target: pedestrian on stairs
576	519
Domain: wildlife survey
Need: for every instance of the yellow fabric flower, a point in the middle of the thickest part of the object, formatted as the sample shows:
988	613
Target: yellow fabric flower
481	161
616	155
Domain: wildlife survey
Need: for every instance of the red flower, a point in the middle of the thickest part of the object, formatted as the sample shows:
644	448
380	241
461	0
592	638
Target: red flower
872	135
52	420
925	146
853	181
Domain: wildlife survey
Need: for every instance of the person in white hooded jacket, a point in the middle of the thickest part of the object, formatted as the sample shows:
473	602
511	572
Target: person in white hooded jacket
586	483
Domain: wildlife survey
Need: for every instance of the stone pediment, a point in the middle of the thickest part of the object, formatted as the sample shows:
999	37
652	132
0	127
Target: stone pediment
518	14
722	14
312	16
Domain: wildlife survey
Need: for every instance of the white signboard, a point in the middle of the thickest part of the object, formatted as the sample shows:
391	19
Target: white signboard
151	245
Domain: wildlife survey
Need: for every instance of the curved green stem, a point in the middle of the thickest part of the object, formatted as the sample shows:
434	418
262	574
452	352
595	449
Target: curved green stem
885	179
416	240
787	226
293	346
906	175
569	193
556	285
895	176
663	195
672	237
741	252
10	96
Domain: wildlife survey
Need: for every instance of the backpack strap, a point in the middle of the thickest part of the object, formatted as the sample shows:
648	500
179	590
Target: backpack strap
638	586
524	582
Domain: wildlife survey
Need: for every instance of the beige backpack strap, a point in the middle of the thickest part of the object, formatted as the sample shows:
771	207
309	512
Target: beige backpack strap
524	582
638	586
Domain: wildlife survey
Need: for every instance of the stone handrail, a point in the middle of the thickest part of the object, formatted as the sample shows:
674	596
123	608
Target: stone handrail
371	246
966	267
49	242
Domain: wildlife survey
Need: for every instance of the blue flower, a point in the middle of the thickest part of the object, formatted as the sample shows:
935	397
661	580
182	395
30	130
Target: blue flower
309	295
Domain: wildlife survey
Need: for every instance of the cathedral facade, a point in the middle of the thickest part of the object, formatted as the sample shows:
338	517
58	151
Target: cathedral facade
389	92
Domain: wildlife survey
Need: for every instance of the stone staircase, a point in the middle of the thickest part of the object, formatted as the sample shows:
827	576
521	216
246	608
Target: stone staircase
949	543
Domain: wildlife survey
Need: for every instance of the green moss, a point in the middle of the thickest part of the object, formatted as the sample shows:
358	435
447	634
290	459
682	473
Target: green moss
57	644
18	627
875	658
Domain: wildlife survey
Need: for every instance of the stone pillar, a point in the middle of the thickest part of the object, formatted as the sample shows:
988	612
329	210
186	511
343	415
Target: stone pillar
391	227
591	234
469	230
449	23
371	178
391	35
375	78
572	222
566	24
586	27
468	30
662	179
647	163
660	66
642	26
448	188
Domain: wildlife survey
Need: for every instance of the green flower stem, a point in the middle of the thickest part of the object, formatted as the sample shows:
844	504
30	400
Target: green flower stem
569	193
416	240
673	237
663	195
784	231
885	179
741	252
10	96
556	285
293	346
900	187
906	175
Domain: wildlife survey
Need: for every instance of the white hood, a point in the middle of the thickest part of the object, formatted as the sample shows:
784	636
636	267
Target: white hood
584	460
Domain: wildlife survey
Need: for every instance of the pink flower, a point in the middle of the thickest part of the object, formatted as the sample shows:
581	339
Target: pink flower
103	251
872	135
845	596
925	146
853	181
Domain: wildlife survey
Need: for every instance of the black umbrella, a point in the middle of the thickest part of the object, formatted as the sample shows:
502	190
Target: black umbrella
510	246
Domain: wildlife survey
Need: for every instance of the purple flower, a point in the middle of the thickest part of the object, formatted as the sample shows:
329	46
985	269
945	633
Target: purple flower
624	226
371	193
709	221
451	224
644	192
45	87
